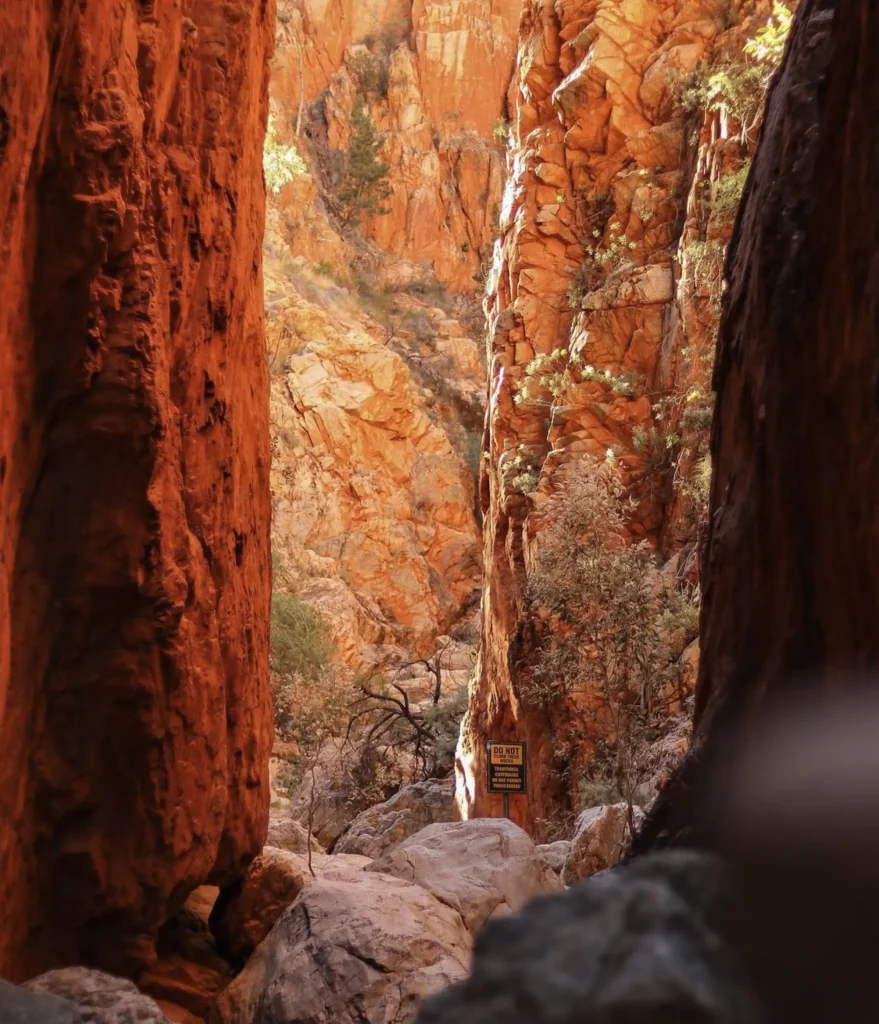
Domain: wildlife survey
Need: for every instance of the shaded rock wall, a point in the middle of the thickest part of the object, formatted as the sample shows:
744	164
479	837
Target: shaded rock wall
791	567
135	718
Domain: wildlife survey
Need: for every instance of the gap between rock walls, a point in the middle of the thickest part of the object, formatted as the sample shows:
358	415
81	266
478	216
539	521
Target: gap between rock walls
474	510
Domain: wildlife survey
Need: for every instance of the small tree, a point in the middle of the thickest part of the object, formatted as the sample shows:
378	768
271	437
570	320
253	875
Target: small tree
423	733
365	183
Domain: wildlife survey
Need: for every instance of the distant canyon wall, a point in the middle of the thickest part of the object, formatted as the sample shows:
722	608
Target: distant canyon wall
444	70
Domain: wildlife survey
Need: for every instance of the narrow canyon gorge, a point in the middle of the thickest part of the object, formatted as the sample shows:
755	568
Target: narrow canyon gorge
436	468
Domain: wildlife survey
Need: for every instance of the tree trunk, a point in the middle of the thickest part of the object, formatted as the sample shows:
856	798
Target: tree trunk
791	574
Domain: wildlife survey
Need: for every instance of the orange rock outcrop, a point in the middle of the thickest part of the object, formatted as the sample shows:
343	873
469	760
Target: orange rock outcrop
374	518
377	369
609	267
135	718
445	71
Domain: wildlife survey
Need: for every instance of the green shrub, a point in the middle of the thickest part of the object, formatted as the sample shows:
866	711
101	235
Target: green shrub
738	85
300	640
703	263
372	72
325	269
616	627
502	130
372	69
726	194
554	378
769	43
365	183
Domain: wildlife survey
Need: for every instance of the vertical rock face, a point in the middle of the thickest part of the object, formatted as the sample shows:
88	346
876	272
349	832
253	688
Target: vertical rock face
435	75
134	573
374	329
791	567
608	268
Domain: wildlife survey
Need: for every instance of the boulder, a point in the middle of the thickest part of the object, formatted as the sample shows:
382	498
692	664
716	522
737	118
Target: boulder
245	914
601	836
100	998
646	943
556	854
188	972
20	1006
368	948
379	828
487	867
291	835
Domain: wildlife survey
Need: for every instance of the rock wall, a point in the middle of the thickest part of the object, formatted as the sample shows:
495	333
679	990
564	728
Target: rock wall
374	521
609	268
794	436
375	336
446	68
134	458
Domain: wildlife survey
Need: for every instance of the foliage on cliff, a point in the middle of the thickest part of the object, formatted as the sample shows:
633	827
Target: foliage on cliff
616	629
365	185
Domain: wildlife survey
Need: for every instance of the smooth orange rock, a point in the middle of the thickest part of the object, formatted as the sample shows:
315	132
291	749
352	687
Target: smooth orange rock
135	719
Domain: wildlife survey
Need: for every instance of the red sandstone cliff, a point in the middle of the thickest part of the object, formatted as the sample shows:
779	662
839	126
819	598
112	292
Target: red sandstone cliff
618	207
435	76
134	457
375	333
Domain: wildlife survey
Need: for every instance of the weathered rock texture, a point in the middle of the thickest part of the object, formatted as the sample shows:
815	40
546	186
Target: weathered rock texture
246	914
100	998
447	68
483	869
374	510
794	438
600	838
134	503
371	948
19	1006
604	160
648	943
382	827
288	834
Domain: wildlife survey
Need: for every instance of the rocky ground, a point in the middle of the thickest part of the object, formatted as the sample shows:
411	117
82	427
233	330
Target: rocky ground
368	931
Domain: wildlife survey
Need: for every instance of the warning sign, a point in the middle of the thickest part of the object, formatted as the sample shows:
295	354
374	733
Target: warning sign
506	768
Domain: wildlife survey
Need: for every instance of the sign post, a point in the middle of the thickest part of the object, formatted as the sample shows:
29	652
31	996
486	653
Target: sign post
506	770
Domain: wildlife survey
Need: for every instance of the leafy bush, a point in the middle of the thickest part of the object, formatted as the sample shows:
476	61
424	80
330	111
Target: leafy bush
372	68
300	641
502	130
281	164
726	193
372	72
615	626
521	472
554	378
769	43
703	264
735	85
